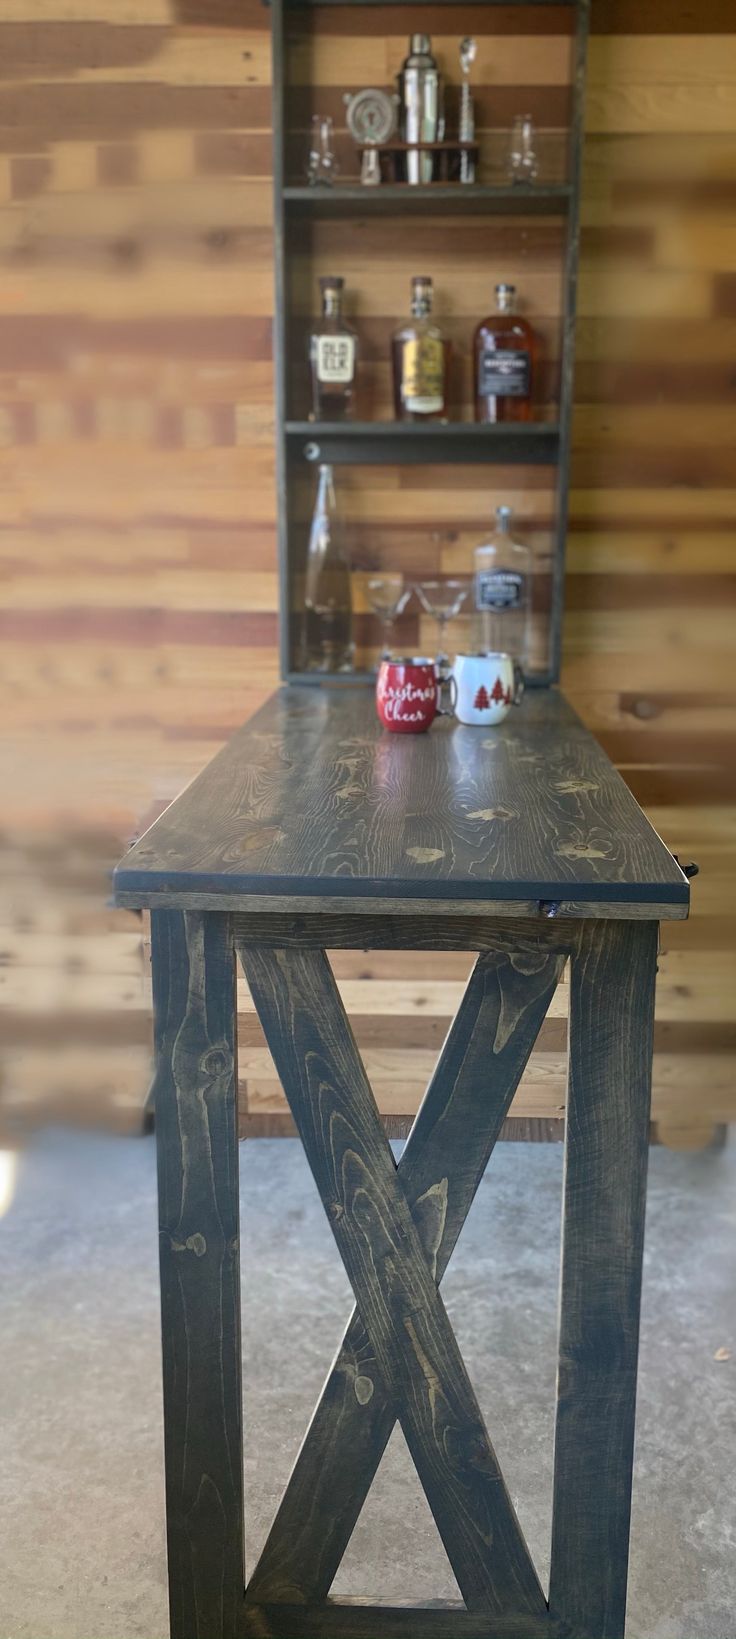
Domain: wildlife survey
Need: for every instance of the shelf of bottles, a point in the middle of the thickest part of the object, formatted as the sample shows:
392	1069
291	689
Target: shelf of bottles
364	399
496	375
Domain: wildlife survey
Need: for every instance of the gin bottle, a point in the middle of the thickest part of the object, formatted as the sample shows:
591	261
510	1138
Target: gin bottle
327	595
503	568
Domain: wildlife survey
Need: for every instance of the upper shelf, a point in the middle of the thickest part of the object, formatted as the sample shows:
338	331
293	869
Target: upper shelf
398	198
388	443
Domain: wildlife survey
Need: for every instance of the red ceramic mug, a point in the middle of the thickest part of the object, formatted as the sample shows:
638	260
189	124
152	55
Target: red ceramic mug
408	695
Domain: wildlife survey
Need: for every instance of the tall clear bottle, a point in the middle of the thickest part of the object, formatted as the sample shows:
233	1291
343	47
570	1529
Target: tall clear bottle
327	592
503	584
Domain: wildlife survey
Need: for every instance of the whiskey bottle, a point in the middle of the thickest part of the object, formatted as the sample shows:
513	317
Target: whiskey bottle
505	351
329	641
420	358
333	351
503	568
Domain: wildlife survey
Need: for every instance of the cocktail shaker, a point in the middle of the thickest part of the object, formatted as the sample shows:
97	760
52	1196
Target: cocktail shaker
421	108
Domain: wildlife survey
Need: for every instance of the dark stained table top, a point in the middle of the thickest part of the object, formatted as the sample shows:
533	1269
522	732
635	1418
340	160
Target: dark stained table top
313	800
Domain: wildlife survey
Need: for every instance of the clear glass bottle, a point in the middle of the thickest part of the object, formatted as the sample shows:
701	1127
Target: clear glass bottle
327	594
333	353
505	350
322	166
503	584
522	164
420	357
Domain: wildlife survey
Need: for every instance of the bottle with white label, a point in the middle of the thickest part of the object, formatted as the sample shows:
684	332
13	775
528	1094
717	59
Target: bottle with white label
505	351
333	356
503	569
420	357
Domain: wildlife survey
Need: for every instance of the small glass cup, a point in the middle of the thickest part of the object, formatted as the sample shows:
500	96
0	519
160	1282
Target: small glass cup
388	598
322	166
443	599
522	164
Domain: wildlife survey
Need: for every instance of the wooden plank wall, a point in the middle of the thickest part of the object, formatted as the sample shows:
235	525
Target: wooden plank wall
137	509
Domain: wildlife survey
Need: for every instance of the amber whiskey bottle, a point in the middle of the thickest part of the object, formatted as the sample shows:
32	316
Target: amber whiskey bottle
420	358
333	353
505	351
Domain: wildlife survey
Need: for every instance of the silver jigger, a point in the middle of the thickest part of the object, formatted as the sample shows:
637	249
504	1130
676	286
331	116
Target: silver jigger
468	51
370	167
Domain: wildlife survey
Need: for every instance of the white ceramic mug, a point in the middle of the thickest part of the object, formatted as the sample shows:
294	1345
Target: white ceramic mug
487	686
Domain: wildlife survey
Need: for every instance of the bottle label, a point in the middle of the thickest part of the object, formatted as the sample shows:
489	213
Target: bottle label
499	589
503	374
422	375
335	358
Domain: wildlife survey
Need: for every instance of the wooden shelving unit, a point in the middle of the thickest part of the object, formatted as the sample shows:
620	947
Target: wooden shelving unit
340	229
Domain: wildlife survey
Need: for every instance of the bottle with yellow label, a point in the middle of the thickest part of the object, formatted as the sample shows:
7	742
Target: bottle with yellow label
420	357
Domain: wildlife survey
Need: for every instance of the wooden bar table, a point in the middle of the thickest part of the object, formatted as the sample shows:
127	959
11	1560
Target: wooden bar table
315	830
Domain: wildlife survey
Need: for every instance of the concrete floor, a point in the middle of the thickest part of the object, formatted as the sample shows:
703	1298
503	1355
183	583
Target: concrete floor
81	1490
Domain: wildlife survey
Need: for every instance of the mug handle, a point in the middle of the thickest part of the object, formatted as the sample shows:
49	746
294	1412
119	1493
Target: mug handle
519	684
443	678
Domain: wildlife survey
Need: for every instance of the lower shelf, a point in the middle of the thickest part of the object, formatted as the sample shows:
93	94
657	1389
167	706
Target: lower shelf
342	680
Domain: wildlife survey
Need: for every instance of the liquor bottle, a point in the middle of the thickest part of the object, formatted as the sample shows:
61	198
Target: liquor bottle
505	351
503	569
329	641
333	354
420	357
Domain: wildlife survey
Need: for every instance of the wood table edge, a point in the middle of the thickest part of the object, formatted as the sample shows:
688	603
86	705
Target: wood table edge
184	898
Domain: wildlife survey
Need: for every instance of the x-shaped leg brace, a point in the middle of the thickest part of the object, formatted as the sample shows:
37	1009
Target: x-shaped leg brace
396	1230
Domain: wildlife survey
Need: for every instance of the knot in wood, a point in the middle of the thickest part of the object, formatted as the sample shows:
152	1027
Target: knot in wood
476	1449
215	1062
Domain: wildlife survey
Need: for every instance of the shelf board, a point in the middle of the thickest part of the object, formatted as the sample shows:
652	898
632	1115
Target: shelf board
333	680
397	198
399	443
363	679
295	5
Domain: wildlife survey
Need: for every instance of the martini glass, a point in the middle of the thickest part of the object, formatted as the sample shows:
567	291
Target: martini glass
443	599
388	598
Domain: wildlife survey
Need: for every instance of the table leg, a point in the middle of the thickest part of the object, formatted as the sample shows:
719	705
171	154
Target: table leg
197	1140
611	1023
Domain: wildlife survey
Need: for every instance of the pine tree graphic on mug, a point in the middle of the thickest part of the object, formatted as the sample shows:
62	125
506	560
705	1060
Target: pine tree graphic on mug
498	693
481	701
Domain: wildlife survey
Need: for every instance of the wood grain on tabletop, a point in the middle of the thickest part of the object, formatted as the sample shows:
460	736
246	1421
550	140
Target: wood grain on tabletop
140	617
314	797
